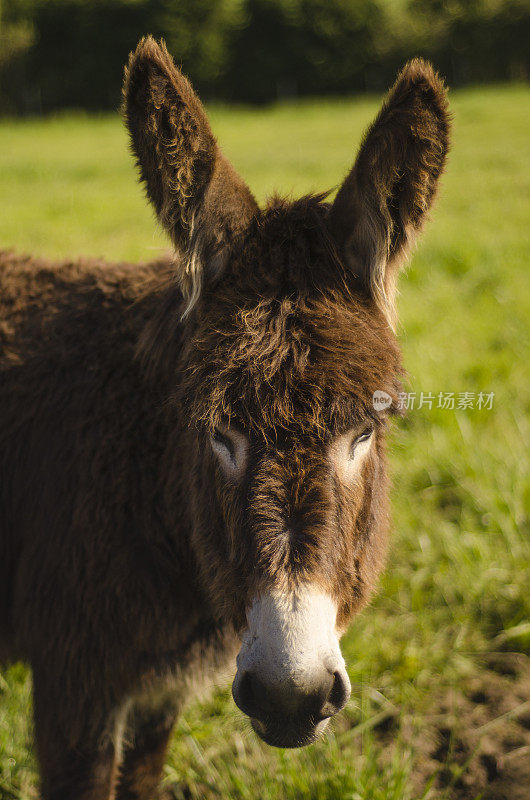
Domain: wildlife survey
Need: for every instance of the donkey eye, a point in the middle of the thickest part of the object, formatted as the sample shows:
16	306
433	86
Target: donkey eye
365	436
222	439
231	448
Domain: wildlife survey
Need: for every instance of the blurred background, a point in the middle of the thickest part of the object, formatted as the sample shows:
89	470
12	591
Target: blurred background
57	54
439	661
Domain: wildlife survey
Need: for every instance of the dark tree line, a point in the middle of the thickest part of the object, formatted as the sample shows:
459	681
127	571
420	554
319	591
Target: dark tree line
70	53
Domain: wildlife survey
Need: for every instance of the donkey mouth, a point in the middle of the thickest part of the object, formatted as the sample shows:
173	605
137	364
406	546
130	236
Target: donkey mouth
287	735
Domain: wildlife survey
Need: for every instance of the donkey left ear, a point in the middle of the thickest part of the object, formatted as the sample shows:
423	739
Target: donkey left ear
384	201
197	195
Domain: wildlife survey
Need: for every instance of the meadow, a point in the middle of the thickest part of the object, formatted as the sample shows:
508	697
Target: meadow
439	661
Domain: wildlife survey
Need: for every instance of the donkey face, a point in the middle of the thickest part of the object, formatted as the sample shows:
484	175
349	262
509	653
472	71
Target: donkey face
288	316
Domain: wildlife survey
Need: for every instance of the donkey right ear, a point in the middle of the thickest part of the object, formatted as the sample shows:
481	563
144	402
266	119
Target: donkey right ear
198	197
384	201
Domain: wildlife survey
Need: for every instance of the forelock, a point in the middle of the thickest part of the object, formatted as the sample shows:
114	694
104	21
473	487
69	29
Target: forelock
282	340
311	362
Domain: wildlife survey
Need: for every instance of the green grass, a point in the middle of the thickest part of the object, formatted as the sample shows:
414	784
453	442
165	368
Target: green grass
456	585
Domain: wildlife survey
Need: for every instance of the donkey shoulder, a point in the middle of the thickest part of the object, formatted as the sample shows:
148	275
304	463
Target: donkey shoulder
76	410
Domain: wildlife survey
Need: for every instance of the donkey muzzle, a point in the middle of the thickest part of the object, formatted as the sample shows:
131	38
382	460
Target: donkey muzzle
291	675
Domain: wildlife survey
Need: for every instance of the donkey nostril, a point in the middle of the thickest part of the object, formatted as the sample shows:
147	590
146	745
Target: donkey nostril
340	691
338	696
247	697
261	701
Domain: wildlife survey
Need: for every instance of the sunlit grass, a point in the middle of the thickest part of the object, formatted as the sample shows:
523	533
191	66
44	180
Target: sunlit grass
457	578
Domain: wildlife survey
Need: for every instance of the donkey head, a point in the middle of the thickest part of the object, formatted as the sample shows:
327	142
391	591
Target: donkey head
286	317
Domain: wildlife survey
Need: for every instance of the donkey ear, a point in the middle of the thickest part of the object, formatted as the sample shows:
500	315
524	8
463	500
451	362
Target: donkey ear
198	197
384	201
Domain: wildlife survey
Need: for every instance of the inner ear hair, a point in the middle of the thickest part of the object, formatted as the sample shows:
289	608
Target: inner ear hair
384	201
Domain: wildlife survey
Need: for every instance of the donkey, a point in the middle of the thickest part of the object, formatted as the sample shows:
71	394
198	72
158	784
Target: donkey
192	465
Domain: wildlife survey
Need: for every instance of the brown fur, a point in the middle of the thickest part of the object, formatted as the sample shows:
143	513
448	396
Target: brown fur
383	203
127	560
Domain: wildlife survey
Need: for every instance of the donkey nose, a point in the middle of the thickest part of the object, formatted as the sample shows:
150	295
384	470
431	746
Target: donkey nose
261	701
338	695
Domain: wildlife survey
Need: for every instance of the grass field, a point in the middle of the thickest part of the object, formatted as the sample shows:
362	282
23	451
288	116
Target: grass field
438	662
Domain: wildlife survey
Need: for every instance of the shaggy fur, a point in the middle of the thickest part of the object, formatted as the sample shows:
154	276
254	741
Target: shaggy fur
197	195
127	559
382	204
